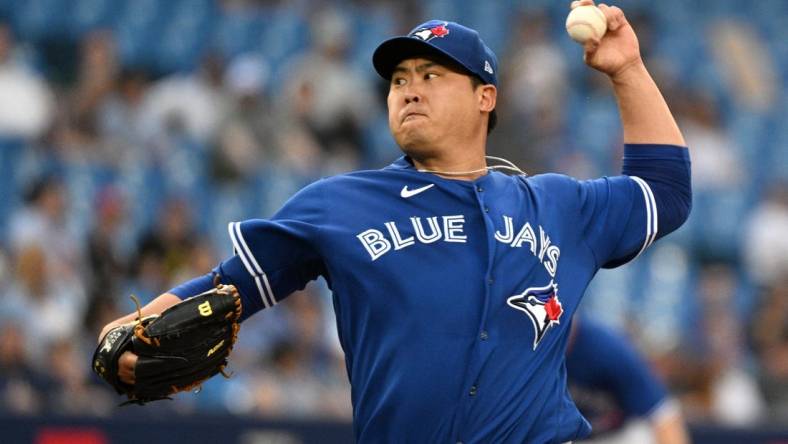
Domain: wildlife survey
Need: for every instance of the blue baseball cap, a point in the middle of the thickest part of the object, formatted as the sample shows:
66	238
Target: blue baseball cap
451	40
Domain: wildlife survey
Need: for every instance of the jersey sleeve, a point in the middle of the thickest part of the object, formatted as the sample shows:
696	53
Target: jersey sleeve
617	217
277	256
623	215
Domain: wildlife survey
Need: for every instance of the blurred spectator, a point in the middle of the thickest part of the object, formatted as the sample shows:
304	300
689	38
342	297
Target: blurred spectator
26	103
121	116
108	264
727	394
302	376
256	133
21	385
45	307
108	260
48	290
537	70
659	318
748	69
202	259
716	159
72	394
532	112
193	103
248	135
42	222
4	272
333	101
98	71
766	238
243	4
89	126
770	334
719	175
164	249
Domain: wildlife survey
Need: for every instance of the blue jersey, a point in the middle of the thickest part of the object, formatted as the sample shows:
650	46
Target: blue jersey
609	381
453	298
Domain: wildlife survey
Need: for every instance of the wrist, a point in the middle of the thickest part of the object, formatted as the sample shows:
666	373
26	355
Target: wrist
630	74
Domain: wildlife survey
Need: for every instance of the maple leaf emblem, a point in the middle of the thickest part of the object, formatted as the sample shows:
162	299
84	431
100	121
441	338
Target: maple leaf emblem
554	309
440	31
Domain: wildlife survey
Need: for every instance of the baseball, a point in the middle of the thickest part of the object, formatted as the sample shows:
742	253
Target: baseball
586	22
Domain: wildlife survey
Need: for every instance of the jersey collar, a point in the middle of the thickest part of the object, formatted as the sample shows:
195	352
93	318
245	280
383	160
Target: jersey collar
492	178
403	163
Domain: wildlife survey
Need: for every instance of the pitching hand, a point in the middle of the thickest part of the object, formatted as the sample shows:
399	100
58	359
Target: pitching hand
618	49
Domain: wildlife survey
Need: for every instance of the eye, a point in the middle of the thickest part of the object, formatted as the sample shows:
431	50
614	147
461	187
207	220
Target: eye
397	81
430	75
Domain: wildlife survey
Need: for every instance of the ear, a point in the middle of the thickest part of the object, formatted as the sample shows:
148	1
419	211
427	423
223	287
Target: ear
488	95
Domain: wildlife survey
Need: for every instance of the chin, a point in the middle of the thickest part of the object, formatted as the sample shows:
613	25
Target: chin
412	143
412	138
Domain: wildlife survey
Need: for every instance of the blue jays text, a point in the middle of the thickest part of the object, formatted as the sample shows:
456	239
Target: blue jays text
451	229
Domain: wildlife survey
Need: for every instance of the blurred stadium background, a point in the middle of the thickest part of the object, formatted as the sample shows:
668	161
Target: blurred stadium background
132	131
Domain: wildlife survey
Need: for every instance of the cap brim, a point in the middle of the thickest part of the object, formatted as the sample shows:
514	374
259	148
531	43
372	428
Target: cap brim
393	51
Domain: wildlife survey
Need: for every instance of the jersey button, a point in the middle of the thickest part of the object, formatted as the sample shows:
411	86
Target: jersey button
483	335
480	189
490	280
486	209
473	390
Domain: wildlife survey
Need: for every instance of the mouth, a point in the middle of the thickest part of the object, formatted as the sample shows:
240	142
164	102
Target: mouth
412	116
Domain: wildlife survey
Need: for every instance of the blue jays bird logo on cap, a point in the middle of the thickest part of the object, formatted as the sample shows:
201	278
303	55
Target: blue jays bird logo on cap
542	306
429	33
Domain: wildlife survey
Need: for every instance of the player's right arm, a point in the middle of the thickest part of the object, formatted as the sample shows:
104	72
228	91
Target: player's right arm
155	306
273	258
128	360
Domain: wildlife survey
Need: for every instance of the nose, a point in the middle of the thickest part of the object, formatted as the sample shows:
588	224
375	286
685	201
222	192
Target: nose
411	96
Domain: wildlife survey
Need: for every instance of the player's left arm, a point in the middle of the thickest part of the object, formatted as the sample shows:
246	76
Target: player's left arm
656	160
645	115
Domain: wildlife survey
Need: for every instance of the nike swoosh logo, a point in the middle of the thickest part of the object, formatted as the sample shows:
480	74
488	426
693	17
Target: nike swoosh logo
406	193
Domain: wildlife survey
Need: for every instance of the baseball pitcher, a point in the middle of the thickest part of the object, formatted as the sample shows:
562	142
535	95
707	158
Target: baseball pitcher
453	282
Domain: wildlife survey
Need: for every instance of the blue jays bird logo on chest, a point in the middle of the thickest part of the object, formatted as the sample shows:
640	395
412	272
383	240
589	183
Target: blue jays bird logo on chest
542	306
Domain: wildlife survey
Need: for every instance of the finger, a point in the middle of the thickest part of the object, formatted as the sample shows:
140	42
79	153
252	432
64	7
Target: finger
620	18
589	50
125	377
590	46
577	3
126	366
614	16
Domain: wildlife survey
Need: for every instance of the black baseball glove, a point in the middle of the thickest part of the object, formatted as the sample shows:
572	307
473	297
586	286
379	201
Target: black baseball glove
178	350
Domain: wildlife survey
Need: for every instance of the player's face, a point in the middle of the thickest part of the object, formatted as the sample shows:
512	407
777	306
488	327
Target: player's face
431	106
